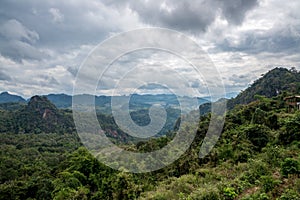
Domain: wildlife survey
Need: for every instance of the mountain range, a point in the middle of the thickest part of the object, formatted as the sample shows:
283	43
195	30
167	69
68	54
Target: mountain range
272	83
51	113
136	100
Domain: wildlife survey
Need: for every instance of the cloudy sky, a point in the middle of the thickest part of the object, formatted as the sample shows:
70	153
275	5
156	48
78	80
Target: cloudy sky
43	43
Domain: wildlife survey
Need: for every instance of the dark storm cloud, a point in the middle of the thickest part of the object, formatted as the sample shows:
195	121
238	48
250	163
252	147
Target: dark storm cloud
73	70
29	27
234	10
182	15
188	15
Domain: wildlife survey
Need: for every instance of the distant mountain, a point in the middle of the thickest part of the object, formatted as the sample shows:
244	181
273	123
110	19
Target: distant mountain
230	95
60	100
136	102
276	81
65	101
5	97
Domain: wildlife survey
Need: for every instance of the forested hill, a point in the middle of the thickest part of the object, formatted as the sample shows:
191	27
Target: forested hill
271	84
39	115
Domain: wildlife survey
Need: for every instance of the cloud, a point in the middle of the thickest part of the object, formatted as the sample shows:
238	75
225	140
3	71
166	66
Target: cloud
188	15
68	24
235	10
4	76
240	79
57	16
271	27
17	41
19	50
280	38
14	30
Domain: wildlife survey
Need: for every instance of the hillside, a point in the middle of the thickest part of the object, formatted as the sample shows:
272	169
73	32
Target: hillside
274	82
278	81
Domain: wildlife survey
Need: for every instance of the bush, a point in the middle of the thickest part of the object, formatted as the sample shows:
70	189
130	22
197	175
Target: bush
229	193
269	183
205	194
259	135
292	130
257	169
257	196
290	166
273	155
290	195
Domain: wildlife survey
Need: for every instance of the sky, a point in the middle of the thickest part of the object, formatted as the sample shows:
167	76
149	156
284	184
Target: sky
44	43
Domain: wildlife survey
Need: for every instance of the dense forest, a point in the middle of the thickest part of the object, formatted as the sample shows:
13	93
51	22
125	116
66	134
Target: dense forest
256	157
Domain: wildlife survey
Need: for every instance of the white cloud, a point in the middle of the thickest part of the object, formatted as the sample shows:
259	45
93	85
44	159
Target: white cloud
57	16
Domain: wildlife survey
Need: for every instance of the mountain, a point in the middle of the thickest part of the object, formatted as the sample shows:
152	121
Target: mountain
5	97
40	115
137	101
276	81
60	100
65	101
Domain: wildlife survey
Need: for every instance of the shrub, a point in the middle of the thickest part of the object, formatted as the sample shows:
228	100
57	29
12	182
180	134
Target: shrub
290	194
258	135
273	155
229	193
257	196
269	183
257	169
205	194
292	130
290	166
